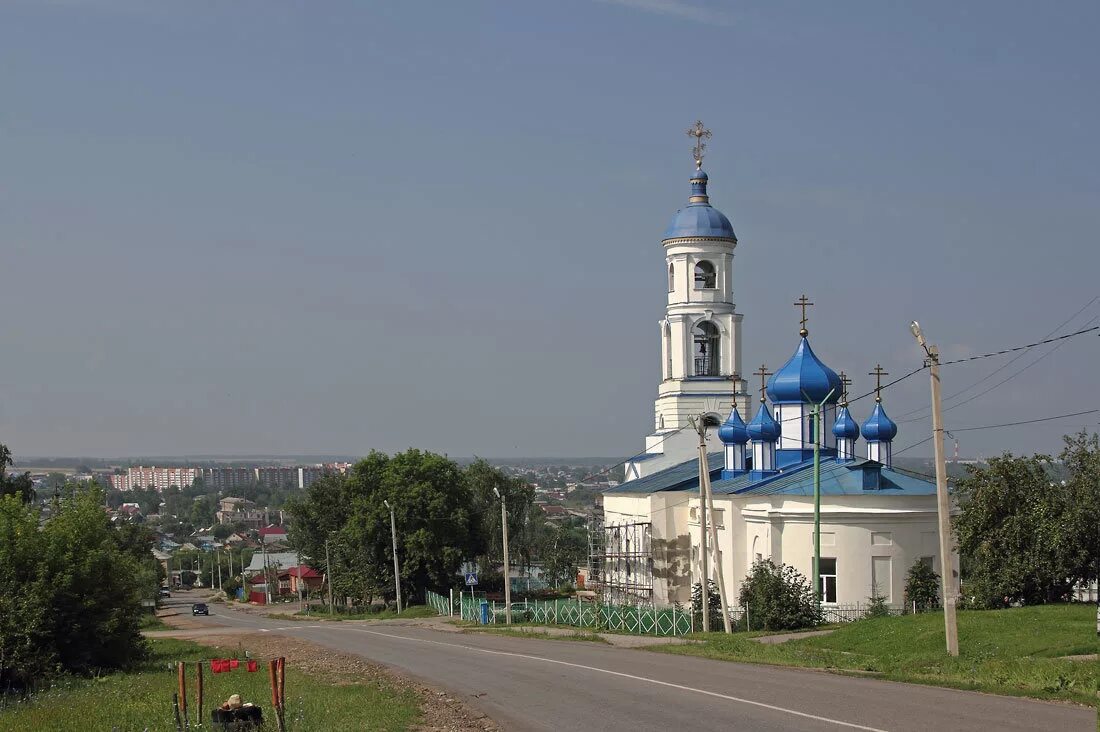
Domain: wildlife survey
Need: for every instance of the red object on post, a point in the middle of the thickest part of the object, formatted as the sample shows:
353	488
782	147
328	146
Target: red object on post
253	666
234	664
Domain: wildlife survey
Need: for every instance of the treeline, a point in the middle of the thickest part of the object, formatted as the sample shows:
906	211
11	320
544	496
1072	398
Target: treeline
71	588
445	514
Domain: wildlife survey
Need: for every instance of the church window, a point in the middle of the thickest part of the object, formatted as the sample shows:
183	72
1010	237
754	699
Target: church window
880	578
706	338
827	574
671	278
705	279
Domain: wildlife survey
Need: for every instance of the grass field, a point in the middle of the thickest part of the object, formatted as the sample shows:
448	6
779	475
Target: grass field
1015	651
415	611
142	699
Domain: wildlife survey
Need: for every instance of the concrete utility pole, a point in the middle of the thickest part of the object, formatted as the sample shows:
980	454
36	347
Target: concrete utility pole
704	588
947	564
507	570
704	478
298	559
396	566
328	568
817	496
267	572
219	560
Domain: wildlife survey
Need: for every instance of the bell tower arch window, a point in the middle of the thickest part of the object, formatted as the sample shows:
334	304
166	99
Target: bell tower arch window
705	278
706	339
671	278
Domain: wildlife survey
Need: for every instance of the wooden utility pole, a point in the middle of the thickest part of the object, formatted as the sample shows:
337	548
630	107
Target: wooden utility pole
507	569
704	585
943	506
396	566
328	569
704	478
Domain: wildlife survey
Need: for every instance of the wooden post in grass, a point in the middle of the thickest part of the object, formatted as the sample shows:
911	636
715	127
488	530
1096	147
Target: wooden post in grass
181	677
198	691
176	709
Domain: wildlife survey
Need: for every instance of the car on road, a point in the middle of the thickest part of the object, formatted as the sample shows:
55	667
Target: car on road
164	592
200	608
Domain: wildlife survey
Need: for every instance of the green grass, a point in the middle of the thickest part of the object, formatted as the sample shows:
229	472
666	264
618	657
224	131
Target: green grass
152	622
415	611
1013	651
142	699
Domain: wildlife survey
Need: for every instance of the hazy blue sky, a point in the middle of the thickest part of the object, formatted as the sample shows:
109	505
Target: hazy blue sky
276	227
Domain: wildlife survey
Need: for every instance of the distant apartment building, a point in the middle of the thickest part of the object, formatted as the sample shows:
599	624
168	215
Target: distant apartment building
222	478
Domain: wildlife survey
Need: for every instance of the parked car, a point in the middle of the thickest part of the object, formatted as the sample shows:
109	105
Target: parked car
164	592
200	608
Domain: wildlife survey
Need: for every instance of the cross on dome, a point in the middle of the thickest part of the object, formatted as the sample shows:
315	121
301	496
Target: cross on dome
700	133
763	373
845	382
878	373
803	302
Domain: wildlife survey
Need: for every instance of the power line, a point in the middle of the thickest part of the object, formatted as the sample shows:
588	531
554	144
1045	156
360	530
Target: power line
1002	367
1026	421
1021	348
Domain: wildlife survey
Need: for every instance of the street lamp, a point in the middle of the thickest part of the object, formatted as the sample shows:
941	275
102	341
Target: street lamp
396	566
947	581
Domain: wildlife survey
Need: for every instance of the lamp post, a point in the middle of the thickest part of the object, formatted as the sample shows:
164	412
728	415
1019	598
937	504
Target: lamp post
396	566
507	570
947	568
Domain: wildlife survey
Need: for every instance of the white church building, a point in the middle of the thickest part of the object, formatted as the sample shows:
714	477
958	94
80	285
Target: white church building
876	521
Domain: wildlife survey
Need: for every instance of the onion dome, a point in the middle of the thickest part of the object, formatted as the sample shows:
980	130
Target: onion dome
699	218
845	428
804	378
879	427
733	430
763	427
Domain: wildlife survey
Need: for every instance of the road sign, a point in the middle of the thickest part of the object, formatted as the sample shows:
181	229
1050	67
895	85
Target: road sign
471	578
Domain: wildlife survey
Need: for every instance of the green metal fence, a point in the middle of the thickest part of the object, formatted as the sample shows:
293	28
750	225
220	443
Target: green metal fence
598	617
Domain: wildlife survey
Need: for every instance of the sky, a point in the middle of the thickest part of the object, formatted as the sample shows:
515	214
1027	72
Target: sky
298	227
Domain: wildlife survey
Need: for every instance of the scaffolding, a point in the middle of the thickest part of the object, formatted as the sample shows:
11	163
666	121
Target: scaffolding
595	549
626	572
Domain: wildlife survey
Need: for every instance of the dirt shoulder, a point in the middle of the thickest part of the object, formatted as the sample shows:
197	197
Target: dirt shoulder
441	712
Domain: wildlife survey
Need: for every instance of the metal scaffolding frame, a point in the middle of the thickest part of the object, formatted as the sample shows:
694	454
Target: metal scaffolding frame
626	576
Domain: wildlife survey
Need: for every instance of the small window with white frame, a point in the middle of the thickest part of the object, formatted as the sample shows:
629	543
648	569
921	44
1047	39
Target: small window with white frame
826	571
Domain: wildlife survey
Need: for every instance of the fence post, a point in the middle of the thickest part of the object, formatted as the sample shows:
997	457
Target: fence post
748	620
655	630
675	626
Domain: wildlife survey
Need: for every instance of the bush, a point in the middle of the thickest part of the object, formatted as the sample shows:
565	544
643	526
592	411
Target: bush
877	607
922	588
70	592
778	597
714	604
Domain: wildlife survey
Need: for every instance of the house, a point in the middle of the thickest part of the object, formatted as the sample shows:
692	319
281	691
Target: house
302	576
272	535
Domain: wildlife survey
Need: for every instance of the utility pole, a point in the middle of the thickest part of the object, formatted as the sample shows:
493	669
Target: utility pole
704	482
298	559
947	565
396	566
219	571
267	573
817	495
328	568
507	570
704	585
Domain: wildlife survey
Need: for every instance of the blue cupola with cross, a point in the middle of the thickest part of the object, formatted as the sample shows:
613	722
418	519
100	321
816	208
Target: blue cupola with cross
734	435
763	432
795	388
879	430
845	429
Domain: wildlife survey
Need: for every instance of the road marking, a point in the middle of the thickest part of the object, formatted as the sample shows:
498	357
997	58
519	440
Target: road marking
647	680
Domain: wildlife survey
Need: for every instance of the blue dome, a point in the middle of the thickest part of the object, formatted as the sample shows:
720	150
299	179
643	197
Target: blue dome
763	427
699	218
804	378
732	431
879	427
845	426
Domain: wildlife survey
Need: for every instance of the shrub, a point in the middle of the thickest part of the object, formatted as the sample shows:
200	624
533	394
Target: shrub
779	597
714	604
922	588
877	607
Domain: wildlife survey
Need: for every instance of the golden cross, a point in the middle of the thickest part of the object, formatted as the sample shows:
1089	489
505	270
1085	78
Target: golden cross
803	302
763	373
700	133
878	373
845	382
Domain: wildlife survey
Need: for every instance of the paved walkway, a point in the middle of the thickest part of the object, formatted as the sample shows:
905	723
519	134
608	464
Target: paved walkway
784	637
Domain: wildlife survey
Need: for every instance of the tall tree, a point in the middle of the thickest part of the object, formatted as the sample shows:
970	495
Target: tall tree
1026	535
20	486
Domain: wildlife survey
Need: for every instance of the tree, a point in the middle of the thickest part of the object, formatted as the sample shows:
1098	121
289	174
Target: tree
71	591
779	597
922	587
20	486
1026	536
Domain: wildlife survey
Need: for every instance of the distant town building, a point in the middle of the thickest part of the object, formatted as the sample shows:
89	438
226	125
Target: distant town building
222	478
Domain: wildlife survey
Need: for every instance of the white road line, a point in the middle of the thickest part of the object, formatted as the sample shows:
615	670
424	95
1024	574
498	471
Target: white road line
647	680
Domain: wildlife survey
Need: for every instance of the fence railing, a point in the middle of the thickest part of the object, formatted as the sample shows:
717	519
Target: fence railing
617	618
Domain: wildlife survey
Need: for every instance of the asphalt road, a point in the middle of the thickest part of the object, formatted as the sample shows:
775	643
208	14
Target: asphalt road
529	684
